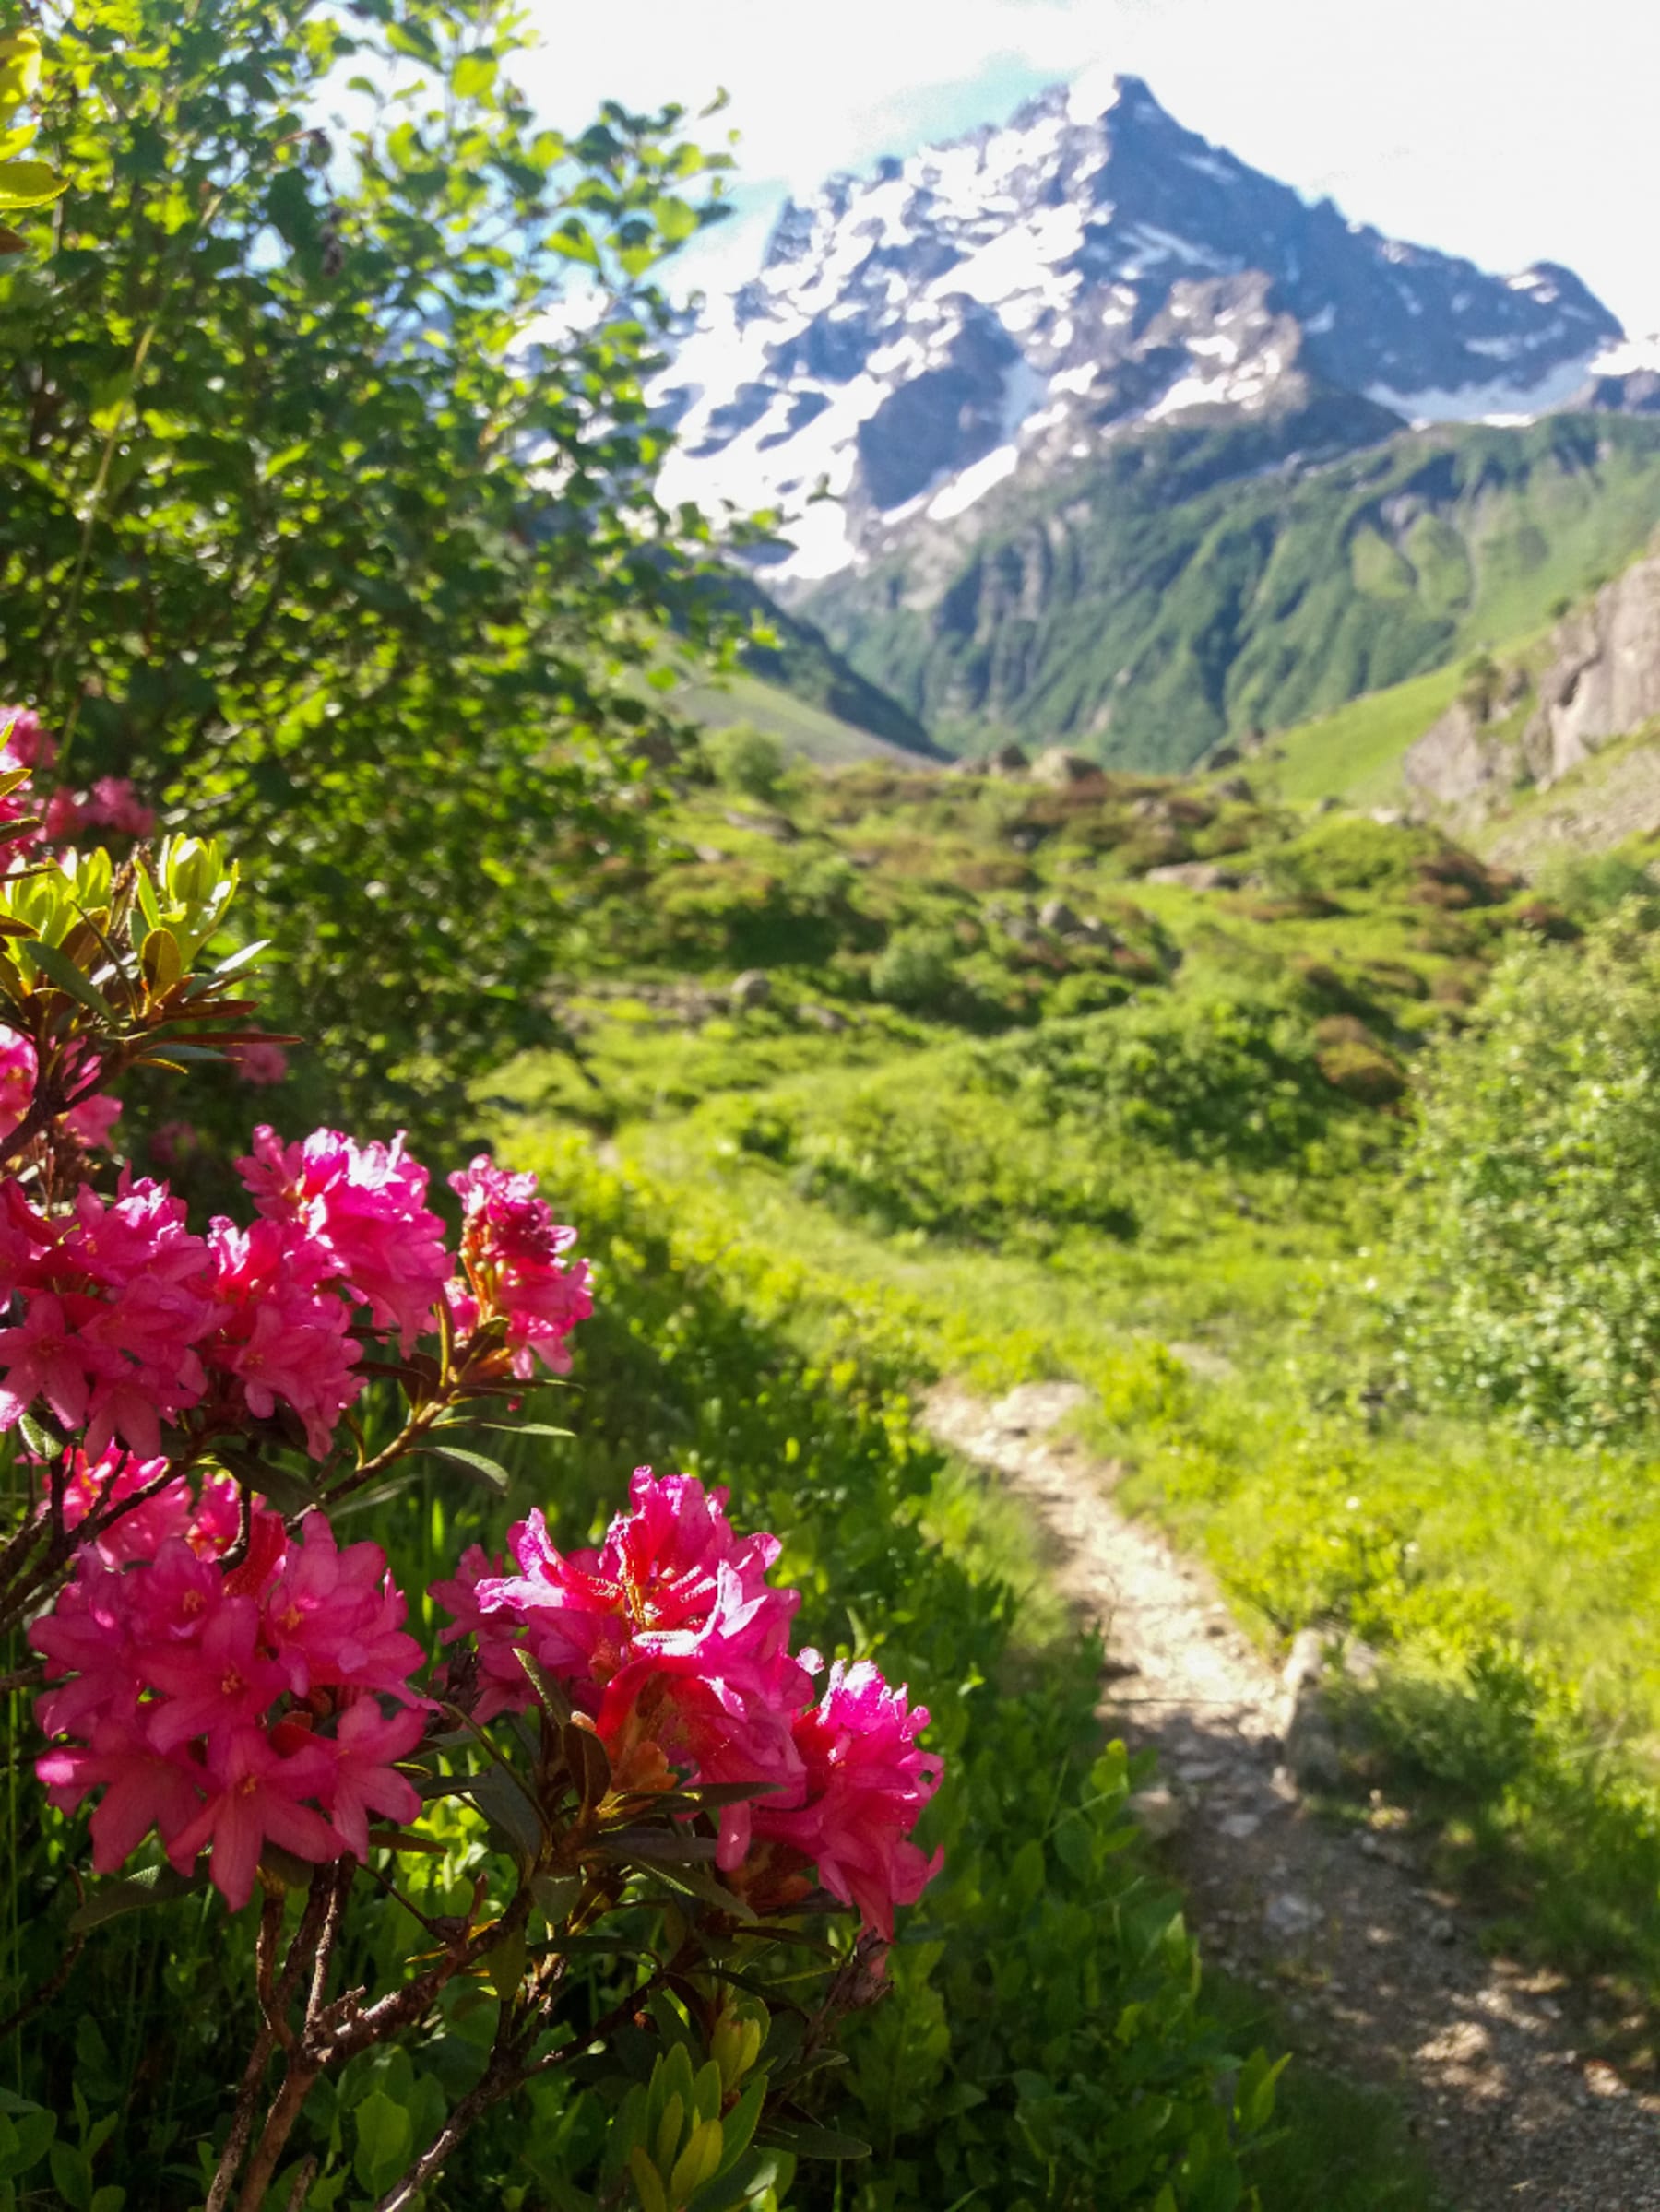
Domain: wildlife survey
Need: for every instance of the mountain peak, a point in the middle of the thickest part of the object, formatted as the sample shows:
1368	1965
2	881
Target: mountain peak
1007	302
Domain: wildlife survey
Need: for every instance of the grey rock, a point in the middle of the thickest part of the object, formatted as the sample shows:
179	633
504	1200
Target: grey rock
1236	788
1290	1917
1160	1812
1056	915
753	987
1194	875
1008	760
1306	1659
1055	765
821	1017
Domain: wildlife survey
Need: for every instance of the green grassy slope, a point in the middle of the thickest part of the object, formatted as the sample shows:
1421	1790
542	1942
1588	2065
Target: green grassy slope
809	730
1355	754
1194	585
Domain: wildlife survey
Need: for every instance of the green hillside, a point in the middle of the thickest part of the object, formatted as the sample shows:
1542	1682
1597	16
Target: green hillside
802	727
1355	752
1196	585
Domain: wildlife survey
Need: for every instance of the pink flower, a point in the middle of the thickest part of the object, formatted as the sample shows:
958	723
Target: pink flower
24	741
45	1357
63	817
257	1792
335	1617
114	804
179	1676
363	1205
512	1250
93	1119
17	1079
260	1062
365	1781
867	1783
143	1788
217	1684
277	1332
669	1636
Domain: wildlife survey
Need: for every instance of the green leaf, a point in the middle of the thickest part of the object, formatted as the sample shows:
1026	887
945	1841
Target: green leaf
41	1438
473	75
131	1893
550	1693
26	2134
507	1805
383	2140
808	2141
29	184
53	962
488	1472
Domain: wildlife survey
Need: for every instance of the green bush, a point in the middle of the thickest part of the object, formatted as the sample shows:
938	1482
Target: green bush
746	759
1526	1275
915	970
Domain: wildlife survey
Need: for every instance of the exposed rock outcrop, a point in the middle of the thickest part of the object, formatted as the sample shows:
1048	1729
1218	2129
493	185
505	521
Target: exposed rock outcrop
1601	681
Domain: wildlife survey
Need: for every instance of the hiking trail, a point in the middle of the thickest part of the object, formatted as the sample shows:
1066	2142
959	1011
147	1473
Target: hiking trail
1379	1972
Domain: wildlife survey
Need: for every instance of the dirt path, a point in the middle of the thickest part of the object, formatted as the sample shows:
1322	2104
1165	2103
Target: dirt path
1385	1978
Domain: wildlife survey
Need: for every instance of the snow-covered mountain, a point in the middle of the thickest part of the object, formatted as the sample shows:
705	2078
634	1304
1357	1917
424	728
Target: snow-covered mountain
1002	305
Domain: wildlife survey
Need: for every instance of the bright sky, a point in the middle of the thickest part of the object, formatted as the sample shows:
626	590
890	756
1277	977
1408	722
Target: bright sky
1509	130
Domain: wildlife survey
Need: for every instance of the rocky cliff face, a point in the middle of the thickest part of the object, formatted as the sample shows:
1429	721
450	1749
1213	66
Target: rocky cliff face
999	308
1600	679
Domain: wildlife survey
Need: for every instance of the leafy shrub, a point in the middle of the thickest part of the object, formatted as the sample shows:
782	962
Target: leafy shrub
915	970
251	575
746	759
1527	1269
1213	1079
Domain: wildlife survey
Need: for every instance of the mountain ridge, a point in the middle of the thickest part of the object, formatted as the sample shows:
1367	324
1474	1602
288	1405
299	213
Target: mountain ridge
1011	303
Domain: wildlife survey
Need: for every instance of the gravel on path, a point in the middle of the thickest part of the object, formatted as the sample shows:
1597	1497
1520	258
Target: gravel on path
1381	1973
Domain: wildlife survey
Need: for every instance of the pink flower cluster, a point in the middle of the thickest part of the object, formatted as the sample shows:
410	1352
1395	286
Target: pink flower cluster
111	804
512	1250
129	1320
673	1643
91	1120
226	1706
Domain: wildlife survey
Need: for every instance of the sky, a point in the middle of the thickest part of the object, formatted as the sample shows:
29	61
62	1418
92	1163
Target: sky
1509	130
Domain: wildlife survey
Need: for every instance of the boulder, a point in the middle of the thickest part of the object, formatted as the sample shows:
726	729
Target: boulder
1236	788
753	987
1007	760
1056	915
1195	875
1056	765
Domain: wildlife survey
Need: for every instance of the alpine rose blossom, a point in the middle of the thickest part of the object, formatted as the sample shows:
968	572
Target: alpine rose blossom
512	1253
670	1639
365	1206
228	1707
867	1783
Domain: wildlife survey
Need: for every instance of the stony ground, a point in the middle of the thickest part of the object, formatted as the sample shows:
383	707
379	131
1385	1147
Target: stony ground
1380	1975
